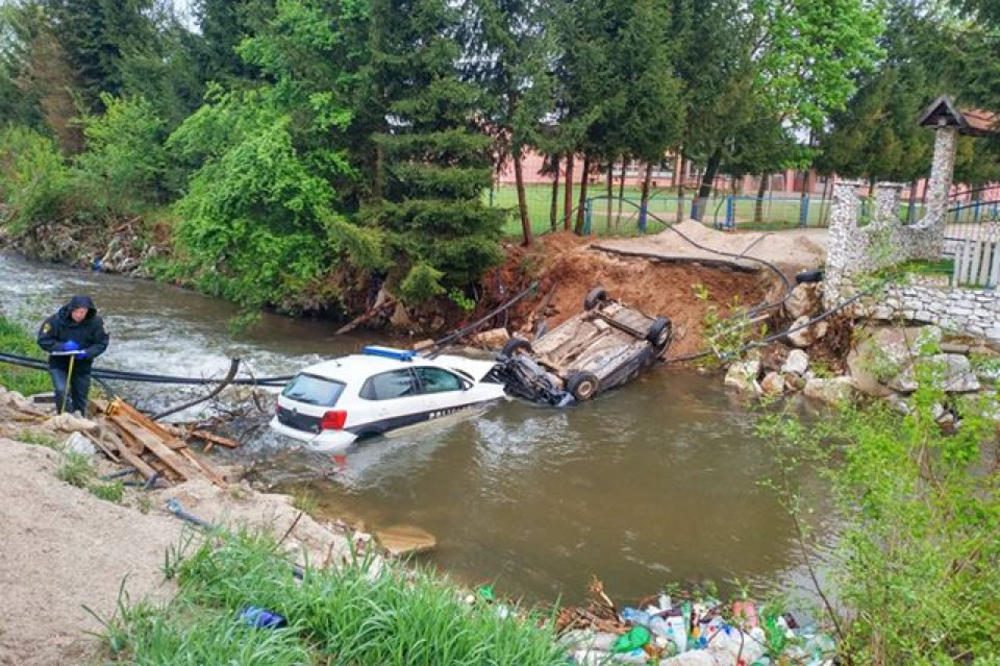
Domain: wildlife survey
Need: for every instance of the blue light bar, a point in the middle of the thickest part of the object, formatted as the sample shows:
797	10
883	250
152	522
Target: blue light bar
389	352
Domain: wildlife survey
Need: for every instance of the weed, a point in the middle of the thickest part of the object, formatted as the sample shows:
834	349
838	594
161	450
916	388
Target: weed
394	617
111	492
305	501
726	336
76	469
14	339
144	504
39	438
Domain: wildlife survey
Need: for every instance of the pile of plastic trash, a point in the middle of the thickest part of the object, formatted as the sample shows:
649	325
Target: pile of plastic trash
701	633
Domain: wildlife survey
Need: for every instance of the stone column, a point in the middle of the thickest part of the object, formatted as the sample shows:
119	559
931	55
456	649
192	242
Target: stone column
844	239
939	184
886	204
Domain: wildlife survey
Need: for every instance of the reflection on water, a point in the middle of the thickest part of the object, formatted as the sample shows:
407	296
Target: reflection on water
653	483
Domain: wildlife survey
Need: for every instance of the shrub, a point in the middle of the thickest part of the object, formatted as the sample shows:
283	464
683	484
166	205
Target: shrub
122	169
33	180
76	469
14	339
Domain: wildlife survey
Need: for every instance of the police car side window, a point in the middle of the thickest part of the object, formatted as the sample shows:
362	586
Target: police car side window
389	385
436	380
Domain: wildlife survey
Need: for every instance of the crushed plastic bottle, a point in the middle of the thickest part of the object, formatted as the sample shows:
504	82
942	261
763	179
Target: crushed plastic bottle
261	618
635	616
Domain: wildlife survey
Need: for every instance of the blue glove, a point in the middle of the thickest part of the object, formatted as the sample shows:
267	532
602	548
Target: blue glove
70	345
82	354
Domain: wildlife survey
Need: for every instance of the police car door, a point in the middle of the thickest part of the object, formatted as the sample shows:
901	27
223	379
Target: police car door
444	391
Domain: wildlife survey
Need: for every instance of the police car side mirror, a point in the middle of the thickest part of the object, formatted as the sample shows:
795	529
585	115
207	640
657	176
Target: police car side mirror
466	385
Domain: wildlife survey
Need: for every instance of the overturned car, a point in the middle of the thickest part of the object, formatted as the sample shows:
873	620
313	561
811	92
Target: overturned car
606	345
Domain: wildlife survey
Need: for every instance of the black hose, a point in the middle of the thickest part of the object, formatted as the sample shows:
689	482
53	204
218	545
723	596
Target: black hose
130	376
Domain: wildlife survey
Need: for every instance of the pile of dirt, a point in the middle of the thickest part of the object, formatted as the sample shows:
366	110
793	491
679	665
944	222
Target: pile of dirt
63	548
567	267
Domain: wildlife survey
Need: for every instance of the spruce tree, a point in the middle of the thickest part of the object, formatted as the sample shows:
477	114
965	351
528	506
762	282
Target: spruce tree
432	159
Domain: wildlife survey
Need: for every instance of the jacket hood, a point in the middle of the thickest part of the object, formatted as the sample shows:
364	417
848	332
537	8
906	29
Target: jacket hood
81	302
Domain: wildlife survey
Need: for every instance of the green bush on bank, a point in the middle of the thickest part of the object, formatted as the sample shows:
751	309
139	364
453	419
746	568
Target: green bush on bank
344	616
915	566
14	339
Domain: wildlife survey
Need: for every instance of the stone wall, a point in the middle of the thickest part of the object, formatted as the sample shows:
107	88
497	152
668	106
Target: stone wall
965	311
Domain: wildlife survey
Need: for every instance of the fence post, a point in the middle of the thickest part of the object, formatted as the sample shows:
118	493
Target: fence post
804	211
588	208
643	209
730	212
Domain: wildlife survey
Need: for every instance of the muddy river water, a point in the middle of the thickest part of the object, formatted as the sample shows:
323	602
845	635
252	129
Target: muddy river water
655	483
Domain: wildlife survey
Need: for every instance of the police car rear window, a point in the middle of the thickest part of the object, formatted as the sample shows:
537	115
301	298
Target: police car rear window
313	390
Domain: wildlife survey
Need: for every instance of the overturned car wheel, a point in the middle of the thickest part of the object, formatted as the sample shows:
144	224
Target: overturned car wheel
515	345
659	332
596	296
582	385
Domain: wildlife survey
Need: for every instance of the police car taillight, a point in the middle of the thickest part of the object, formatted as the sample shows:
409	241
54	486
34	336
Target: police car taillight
333	420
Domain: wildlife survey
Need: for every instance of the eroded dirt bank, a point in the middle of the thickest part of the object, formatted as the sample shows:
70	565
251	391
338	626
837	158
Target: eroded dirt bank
567	267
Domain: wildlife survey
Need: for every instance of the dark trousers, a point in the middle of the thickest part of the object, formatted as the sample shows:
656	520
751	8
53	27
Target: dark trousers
79	387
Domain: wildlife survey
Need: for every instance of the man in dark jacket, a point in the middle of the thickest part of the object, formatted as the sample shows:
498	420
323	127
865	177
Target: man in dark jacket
76	331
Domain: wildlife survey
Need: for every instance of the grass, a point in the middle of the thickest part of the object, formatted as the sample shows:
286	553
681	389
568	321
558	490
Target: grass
39	438
76	469
345	616
305	501
14	339
113	491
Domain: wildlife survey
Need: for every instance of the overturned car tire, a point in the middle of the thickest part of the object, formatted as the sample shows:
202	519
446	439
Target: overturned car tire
515	345
596	296
582	385
659	332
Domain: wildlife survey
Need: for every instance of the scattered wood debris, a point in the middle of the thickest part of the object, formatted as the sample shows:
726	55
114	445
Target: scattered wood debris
153	449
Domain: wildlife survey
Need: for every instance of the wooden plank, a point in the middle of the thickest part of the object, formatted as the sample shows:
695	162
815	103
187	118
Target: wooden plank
136	461
98	441
207	469
957	268
994	279
976	259
120	406
159	449
214	439
987	255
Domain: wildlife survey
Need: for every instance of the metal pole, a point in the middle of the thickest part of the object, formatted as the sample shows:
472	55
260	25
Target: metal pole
69	383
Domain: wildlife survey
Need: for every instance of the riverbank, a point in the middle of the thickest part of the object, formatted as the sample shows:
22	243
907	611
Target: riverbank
563	267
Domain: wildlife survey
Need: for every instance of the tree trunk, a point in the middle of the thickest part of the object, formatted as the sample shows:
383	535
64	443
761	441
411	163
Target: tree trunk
758	211
568	193
644	199
581	204
680	189
611	192
522	201
707	179
678	178
621	192
555	161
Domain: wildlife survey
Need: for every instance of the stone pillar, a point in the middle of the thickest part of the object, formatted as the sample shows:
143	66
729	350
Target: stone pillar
939	184
886	204
844	240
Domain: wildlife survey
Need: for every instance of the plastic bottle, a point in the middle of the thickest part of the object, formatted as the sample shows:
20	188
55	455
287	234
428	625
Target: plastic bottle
635	616
677	632
659	626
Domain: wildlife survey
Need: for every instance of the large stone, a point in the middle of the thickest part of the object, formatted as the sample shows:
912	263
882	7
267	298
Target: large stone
882	361
773	384
806	336
958	376
493	339
742	376
797	363
832	391
805	299
405	540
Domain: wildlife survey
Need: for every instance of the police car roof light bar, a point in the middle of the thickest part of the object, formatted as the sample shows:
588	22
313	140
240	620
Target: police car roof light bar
389	352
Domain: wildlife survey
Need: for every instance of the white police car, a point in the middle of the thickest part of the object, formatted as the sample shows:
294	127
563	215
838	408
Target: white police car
331	404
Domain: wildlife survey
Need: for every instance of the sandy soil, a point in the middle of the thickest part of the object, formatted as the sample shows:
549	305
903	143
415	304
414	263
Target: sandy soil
567	267
792	250
62	548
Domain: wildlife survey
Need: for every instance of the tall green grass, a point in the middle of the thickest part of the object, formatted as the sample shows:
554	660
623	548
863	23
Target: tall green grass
14	339
347	616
